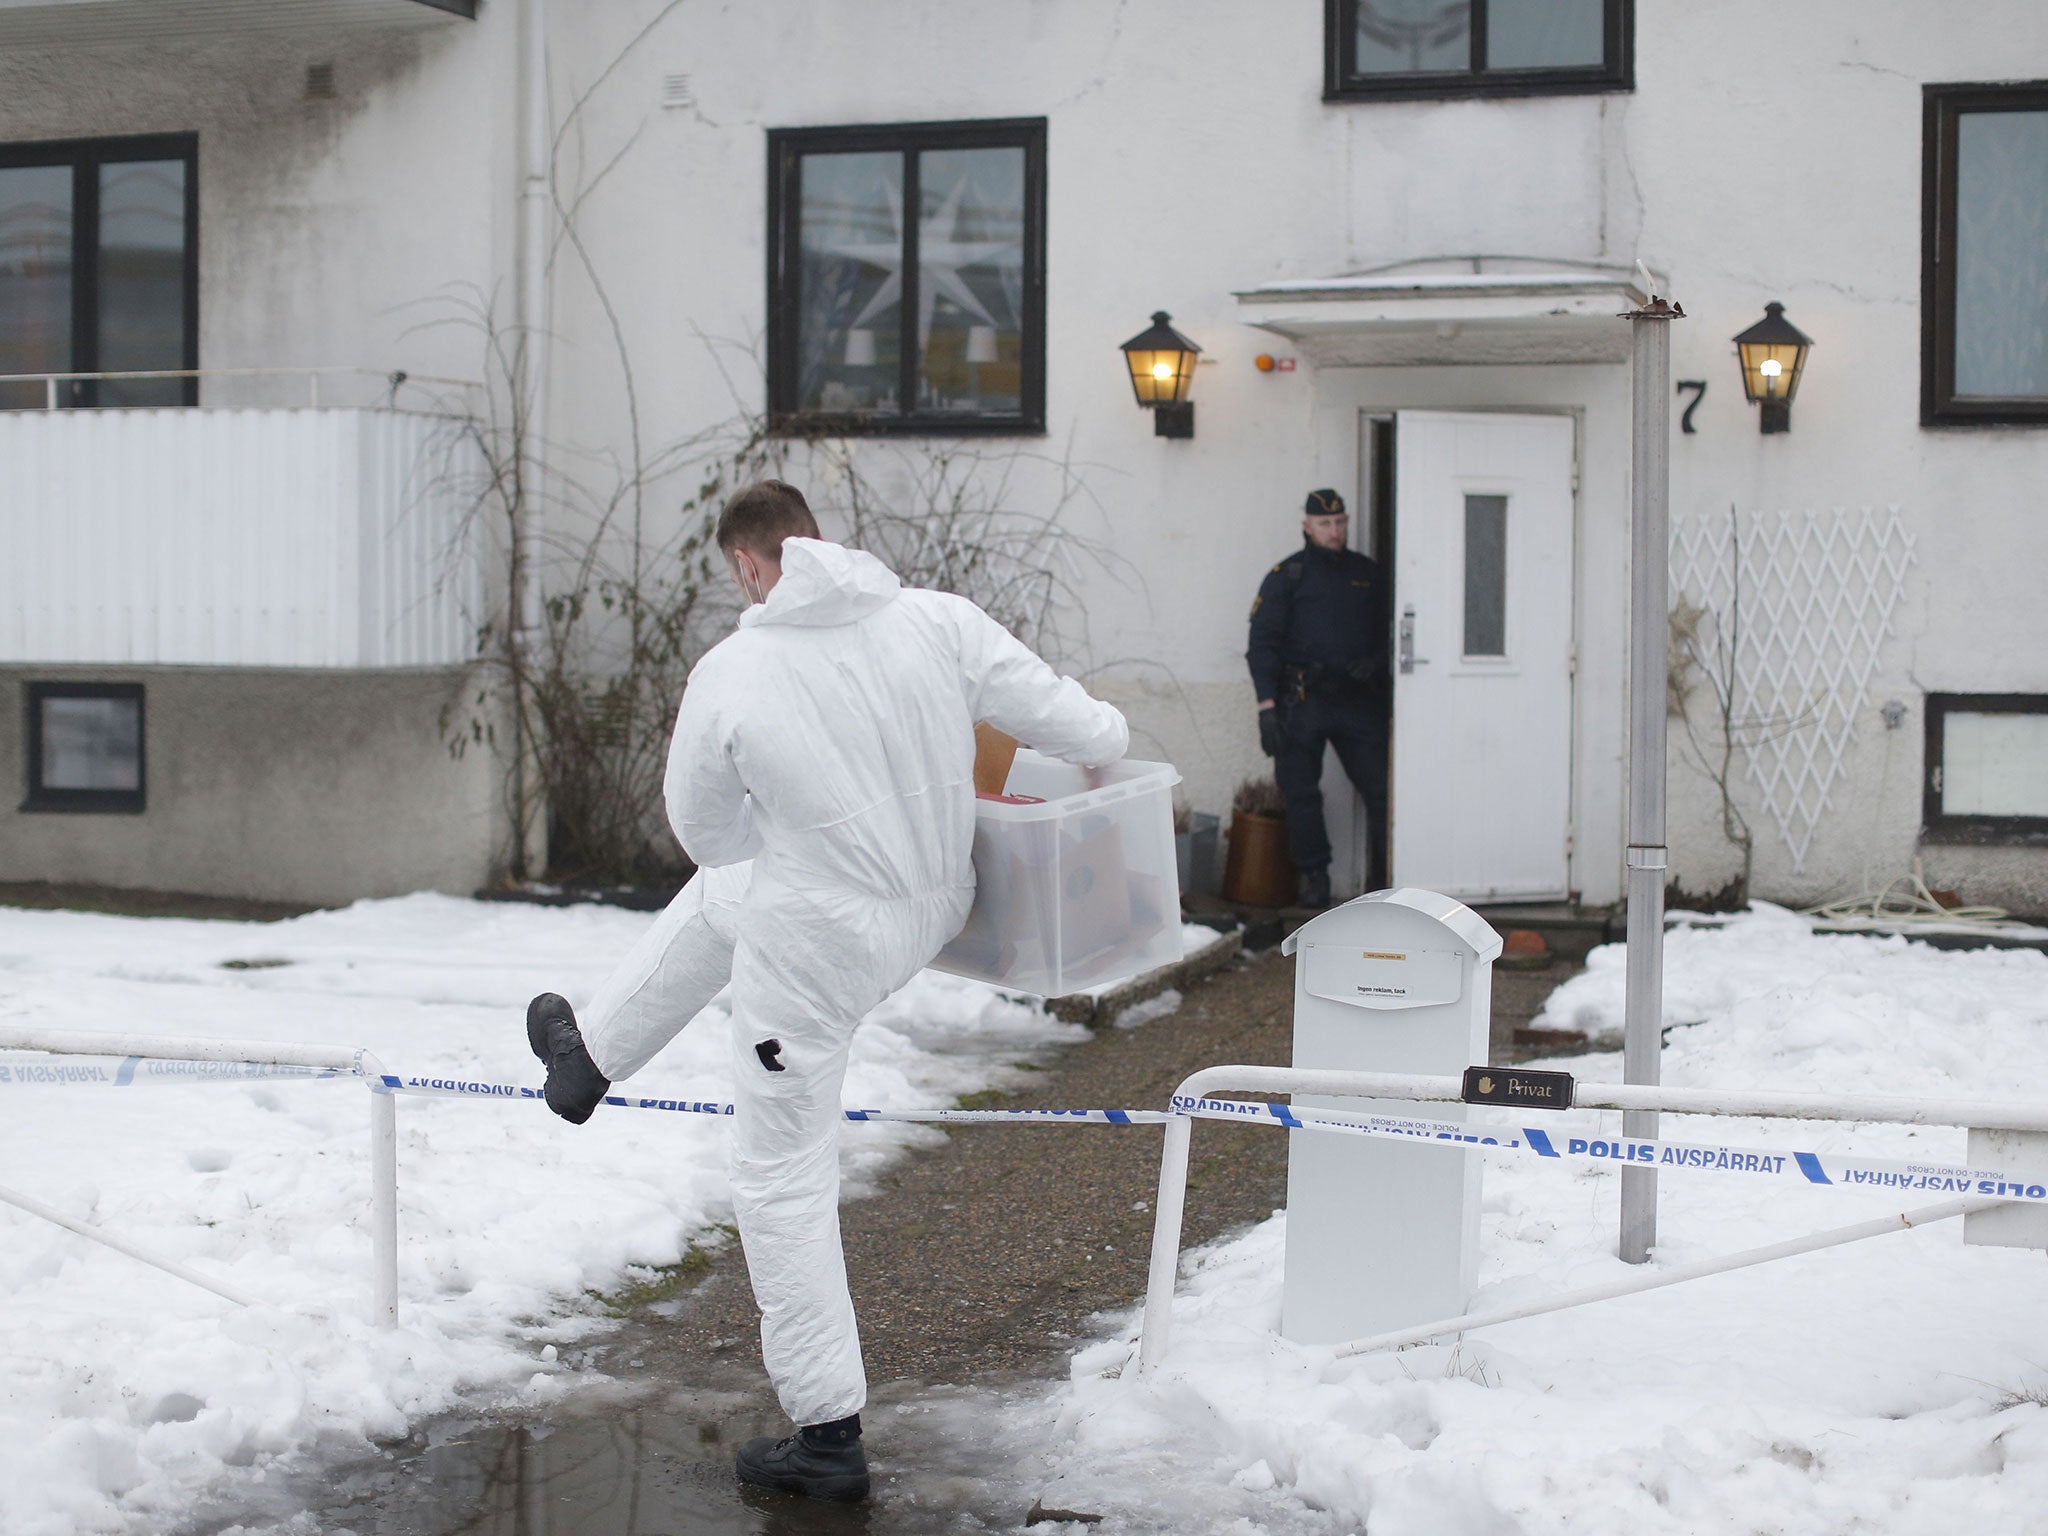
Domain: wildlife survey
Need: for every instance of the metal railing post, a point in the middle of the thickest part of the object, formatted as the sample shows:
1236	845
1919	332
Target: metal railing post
1649	646
1156	1330
383	1191
384	1207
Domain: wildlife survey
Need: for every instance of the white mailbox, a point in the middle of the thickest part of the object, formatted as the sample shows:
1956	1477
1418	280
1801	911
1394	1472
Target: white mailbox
1382	1235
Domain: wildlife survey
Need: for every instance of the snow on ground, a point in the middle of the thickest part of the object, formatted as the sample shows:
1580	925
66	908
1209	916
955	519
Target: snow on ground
124	1392
1879	1387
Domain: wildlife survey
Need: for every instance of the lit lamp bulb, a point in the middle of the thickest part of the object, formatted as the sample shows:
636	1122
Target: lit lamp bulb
1162	366
1773	355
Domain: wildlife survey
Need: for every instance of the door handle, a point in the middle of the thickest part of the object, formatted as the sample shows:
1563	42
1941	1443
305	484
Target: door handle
1409	661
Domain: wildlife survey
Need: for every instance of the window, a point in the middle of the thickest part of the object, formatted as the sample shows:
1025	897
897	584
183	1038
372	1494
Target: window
99	269
84	747
1382	48
1486	577
1987	768
878	322
1984	261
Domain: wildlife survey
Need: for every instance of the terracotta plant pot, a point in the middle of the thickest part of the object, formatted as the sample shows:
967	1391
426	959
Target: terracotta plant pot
1258	872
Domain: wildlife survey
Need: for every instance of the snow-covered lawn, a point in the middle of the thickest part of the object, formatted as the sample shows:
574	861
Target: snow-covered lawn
1894	1386
124	1393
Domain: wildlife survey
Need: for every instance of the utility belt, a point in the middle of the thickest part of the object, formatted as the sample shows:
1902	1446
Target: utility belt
1328	684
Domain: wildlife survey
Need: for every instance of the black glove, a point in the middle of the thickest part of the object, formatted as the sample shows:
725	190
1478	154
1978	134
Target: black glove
1269	732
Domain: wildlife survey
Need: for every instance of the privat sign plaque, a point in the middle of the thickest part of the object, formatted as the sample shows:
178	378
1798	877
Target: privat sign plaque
1513	1085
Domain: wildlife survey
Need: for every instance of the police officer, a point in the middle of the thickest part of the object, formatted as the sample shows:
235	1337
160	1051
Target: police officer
1318	657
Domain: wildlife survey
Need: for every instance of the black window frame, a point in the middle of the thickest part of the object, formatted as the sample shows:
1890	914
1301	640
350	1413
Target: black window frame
42	797
1343	82
786	149
1942	107
1936	825
85	157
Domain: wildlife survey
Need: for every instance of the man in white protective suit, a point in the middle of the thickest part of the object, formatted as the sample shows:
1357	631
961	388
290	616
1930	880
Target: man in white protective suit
829	740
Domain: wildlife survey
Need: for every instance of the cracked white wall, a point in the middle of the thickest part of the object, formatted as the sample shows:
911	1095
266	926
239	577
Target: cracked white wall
1766	152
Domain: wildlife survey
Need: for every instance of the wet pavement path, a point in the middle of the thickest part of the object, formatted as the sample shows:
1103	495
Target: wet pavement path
976	1268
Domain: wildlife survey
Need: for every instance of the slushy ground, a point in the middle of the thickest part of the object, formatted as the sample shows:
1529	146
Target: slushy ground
126	1395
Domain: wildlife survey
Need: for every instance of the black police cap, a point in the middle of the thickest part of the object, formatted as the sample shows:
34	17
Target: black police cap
1323	504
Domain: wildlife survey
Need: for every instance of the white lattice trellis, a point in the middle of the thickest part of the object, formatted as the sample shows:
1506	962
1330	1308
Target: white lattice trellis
1818	591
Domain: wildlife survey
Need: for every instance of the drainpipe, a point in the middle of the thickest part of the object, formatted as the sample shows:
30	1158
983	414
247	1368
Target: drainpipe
530	850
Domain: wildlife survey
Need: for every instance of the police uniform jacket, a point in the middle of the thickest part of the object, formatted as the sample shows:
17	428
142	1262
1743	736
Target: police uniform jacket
1320	617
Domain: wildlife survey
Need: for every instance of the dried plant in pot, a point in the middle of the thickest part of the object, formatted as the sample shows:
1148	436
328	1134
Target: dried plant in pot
1259	872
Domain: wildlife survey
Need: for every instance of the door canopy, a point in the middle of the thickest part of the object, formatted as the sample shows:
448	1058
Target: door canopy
1453	309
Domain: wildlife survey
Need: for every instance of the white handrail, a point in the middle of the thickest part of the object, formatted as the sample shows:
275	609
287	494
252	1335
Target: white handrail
402	375
121	1245
395	378
269	1053
1170	1206
1834	1237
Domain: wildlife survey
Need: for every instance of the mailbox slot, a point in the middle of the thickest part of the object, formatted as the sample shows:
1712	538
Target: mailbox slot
1382	978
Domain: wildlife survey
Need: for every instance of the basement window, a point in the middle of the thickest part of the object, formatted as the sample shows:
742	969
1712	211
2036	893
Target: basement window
1987	768
85	747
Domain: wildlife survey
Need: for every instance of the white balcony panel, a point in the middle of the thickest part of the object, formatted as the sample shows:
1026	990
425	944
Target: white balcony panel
237	538
27	23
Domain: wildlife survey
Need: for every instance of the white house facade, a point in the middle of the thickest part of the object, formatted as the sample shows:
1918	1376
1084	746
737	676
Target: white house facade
908	240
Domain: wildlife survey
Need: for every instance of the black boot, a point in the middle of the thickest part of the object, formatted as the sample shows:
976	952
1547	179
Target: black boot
821	1461
1315	889
575	1086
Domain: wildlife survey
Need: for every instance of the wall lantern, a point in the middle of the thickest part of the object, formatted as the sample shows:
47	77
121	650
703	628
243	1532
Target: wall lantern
1773	354
1162	363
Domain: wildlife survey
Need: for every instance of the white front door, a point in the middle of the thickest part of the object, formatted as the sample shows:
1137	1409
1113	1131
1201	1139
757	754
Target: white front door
1481	797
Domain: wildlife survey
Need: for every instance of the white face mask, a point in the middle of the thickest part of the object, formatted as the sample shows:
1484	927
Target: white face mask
749	589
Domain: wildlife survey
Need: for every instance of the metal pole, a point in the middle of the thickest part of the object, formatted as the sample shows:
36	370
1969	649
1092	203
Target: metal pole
523	600
1649	644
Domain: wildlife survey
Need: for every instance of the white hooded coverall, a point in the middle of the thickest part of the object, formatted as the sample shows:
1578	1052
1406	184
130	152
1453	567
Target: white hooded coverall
831	741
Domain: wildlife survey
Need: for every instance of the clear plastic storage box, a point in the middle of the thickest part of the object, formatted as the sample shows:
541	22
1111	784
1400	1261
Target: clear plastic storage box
1078	892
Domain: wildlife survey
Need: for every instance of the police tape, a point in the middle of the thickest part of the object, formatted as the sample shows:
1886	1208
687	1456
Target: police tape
1832	1169
464	1088
132	1071
1829	1169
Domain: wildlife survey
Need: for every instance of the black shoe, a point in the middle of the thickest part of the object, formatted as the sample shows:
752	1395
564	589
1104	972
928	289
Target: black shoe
821	1462
1315	889
575	1086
